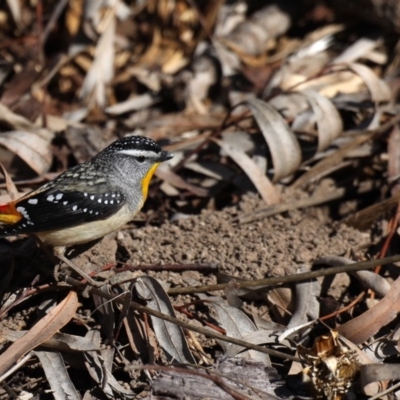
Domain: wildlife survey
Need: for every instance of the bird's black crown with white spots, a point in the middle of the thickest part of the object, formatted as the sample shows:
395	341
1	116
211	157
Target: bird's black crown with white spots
133	143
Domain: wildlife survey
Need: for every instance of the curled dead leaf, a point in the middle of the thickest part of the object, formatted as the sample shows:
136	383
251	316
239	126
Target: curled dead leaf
30	147
283	145
264	186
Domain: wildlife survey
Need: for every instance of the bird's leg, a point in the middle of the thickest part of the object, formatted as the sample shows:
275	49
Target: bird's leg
59	253
50	254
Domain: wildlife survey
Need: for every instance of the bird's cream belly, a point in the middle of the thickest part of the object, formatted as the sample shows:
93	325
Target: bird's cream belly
86	232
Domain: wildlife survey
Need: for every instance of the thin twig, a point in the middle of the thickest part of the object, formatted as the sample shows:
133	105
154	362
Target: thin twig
344	309
277	280
18	365
198	329
364	218
303	203
51	23
385	392
168	267
217	379
342	152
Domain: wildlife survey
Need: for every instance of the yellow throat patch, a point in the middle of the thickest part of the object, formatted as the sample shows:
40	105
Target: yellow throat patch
146	180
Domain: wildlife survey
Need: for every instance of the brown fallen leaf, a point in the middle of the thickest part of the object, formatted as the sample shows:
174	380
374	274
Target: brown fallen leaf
282	142
41	331
342	152
11	188
30	147
263	185
379	90
363	327
327	117
175	180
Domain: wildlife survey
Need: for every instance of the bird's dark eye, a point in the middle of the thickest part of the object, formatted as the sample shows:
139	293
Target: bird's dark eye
140	159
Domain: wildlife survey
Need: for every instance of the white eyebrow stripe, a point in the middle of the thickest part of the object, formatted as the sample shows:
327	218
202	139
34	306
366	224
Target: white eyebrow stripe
139	153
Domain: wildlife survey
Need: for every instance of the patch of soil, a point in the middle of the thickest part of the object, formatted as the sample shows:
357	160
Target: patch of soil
273	246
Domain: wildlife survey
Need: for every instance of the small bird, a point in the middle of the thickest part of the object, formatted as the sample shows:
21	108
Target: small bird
89	200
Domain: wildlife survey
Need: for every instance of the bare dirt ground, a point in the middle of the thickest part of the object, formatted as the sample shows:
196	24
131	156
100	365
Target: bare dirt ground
274	246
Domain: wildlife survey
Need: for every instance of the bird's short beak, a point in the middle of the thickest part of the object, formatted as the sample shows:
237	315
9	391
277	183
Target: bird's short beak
164	156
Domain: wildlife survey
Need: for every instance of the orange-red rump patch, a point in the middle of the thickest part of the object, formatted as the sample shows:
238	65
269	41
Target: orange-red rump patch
8	214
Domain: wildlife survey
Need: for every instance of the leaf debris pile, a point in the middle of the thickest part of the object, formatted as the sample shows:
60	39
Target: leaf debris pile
287	100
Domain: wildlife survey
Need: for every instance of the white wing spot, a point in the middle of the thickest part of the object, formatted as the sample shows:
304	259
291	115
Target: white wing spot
85	209
105	201
85	194
99	200
113	195
65	203
33	201
59	196
91	197
50	198
75	207
91	212
23	211
111	201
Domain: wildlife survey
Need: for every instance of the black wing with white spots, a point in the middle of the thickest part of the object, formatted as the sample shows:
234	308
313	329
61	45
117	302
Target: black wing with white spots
55	210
